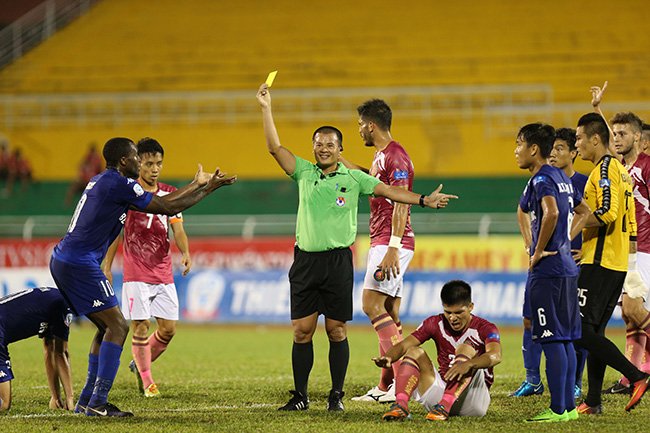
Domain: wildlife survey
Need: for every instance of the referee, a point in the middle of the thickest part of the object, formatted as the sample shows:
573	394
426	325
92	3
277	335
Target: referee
607	236
321	276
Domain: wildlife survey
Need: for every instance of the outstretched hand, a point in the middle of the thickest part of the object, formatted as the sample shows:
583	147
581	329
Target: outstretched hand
264	96
437	199
220	179
597	94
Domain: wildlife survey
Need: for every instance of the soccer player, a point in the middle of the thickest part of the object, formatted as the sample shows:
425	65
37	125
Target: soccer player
645	139
391	239
43	312
148	288
76	259
562	156
551	300
468	348
606	242
321	277
627	128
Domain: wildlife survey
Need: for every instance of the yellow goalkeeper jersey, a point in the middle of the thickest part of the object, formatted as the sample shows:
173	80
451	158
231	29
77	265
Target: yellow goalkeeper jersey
609	194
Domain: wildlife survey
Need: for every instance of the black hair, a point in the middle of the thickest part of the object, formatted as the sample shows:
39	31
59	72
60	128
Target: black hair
568	135
541	134
149	145
593	123
456	292
630	119
378	112
326	129
115	149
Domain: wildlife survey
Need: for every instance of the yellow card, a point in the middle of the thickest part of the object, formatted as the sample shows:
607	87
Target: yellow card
270	78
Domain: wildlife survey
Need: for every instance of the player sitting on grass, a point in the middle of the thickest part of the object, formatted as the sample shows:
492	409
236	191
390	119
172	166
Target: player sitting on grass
468	348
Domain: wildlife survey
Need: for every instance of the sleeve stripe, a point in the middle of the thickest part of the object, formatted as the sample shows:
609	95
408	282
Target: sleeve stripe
607	194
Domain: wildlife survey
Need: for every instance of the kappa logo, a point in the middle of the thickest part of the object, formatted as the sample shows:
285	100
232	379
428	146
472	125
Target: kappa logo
97	303
3	374
547	333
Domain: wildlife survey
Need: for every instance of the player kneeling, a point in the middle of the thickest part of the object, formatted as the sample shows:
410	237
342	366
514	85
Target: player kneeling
467	346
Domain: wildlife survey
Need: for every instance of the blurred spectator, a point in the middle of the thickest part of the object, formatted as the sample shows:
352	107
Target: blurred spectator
4	161
18	168
90	165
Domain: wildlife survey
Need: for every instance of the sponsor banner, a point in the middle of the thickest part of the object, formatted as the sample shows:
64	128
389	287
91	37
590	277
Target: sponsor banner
216	253
263	296
460	253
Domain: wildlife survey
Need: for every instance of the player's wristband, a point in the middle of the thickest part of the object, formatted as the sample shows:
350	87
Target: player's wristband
395	242
422	200
631	262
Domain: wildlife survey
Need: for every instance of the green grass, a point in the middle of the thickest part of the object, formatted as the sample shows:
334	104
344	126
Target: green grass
233	378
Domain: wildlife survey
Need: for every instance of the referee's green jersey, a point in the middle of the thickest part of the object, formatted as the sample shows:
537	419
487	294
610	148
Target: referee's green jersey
328	204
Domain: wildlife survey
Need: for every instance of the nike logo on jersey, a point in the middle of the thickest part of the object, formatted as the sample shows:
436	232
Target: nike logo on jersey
547	333
97	303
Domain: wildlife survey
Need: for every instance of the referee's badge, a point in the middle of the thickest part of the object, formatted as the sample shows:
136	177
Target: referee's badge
340	201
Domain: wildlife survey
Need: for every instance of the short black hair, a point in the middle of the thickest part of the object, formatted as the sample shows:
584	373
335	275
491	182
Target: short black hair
149	145
327	129
645	127
541	134
456	292
115	149
593	123
378	112
630	119
568	135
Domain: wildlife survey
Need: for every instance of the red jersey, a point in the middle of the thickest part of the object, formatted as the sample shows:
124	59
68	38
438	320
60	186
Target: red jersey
146	244
640	172
392	166
479	333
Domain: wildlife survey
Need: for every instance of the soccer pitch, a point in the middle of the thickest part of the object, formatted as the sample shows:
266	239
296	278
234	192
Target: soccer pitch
232	379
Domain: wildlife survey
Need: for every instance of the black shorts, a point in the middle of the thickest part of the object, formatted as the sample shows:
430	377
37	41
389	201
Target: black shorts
322	282
598	292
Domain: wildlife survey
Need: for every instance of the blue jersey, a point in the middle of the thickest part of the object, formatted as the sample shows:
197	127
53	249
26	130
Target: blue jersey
41	311
99	217
578	180
551	181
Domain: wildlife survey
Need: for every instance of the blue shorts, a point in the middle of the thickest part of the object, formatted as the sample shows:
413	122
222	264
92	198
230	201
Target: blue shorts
84	287
5	364
554	309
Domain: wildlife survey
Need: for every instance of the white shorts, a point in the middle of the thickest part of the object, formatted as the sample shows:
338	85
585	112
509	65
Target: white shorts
392	287
477	399
141	301
643	266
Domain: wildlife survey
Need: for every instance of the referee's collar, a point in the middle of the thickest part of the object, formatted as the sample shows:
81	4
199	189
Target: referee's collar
340	169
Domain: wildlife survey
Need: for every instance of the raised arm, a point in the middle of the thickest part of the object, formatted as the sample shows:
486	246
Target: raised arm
596	98
286	160
435	200
57	368
189	195
180	237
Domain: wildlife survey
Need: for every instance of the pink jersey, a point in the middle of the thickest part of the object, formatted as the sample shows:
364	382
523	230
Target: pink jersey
146	245
392	166
640	172
479	333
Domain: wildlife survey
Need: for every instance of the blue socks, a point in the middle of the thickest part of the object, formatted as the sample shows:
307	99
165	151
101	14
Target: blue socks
109	362
87	391
532	353
557	375
572	364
